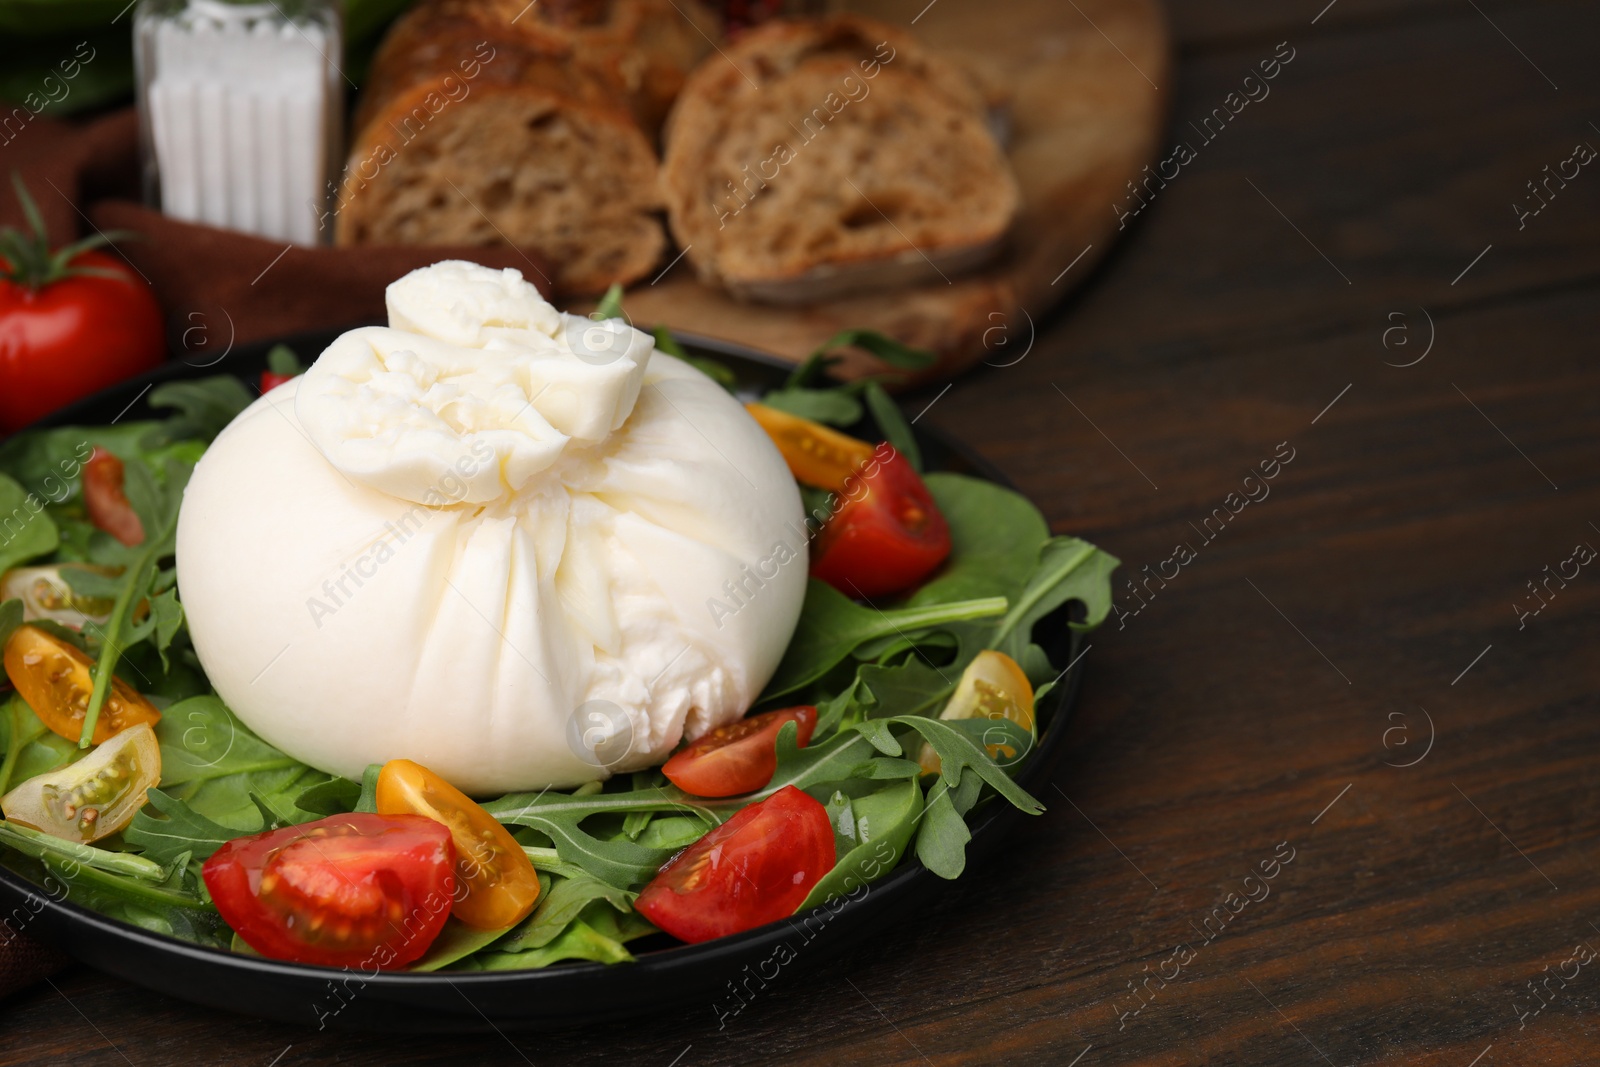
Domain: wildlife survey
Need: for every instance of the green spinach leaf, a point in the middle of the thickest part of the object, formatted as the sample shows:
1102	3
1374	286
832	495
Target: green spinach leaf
213	763
455	943
881	824
32	748
26	531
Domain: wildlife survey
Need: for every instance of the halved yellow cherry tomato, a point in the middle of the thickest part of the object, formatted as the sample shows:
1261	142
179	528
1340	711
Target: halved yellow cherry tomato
992	687
498	881
45	594
56	680
816	455
94	797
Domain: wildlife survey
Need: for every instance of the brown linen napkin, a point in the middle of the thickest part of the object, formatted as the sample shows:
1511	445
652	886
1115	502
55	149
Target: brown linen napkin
218	289
218	286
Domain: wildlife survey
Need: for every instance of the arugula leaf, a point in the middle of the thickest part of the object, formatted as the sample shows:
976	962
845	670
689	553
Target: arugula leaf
669	344
1069	569
610	306
957	751
818	763
281	359
599	935
547	862
884	347
672	832
1000	547
35	843
833	711
634	823
26	531
167	894
880	345
832	626
717	371
169	907
818	503
213	763
942	840
567	898
513	806
141	576
181	830
618	861
892	424
836	407
911	688
202	408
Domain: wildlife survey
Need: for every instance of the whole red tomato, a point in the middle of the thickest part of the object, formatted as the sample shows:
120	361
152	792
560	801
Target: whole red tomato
72	322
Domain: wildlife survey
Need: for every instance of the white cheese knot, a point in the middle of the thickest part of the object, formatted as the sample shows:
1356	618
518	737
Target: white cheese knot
492	538
477	387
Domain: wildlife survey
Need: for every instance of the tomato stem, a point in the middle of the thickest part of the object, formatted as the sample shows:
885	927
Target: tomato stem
26	258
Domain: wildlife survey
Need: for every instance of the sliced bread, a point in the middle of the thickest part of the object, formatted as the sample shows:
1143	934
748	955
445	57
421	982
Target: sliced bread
823	157
483	123
645	47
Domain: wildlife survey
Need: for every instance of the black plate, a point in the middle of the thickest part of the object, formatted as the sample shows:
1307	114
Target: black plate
666	974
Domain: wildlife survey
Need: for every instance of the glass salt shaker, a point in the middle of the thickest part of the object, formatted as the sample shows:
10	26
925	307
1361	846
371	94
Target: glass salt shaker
240	113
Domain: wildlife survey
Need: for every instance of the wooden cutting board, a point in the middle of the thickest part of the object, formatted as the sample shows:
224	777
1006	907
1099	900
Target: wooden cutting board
1088	83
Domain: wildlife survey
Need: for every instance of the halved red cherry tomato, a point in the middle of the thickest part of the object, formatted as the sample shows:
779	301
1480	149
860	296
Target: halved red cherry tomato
754	869
56	680
739	757
360	890
888	534
498	884
270	381
107	503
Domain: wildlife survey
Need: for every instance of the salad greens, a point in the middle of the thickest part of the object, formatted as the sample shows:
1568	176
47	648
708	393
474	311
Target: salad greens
878	673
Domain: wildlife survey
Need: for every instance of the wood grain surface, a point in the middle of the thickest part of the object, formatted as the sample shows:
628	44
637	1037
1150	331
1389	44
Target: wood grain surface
1087	93
1260	706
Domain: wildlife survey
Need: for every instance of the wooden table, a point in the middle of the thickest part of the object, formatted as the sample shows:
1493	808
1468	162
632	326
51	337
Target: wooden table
1262	701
